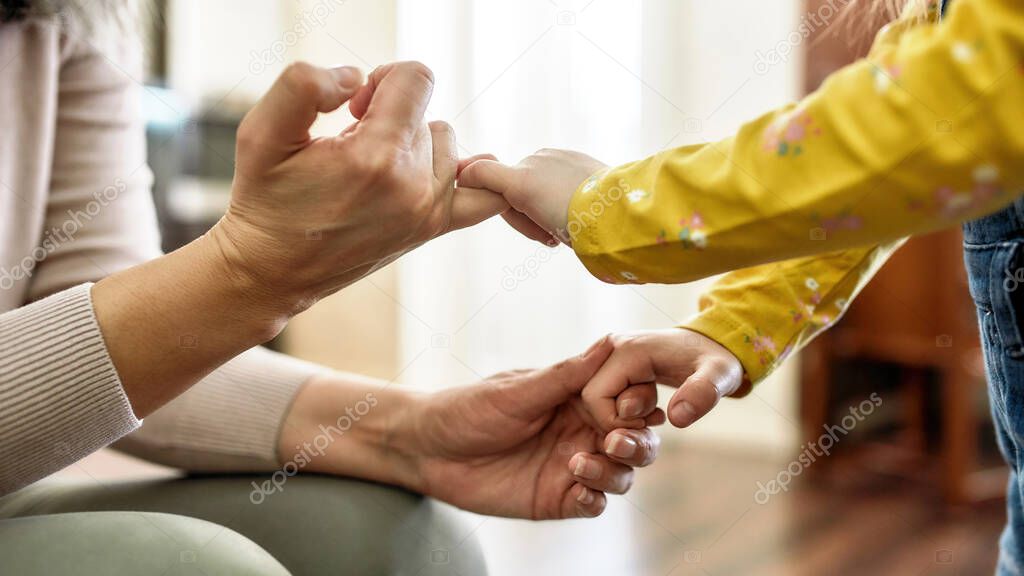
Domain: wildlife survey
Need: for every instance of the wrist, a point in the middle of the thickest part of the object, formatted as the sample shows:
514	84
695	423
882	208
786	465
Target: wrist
236	258
350	426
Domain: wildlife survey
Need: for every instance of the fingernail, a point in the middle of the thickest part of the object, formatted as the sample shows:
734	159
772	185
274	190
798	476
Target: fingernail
630	408
683	414
348	77
622	446
587	469
585	497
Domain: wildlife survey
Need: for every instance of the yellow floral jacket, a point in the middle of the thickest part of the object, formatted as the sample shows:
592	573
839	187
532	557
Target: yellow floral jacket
926	132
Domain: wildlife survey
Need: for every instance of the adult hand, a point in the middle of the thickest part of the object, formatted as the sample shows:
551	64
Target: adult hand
538	189
309	216
519	444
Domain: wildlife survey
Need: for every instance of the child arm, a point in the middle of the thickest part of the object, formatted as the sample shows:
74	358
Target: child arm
749	322
923	134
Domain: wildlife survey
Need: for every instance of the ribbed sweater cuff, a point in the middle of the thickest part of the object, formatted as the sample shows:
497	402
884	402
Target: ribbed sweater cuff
228	422
60	396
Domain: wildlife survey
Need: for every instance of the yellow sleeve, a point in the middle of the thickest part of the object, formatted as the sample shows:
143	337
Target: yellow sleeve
924	133
765	313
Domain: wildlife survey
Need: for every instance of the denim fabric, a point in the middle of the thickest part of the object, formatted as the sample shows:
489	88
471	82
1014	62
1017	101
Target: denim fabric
994	254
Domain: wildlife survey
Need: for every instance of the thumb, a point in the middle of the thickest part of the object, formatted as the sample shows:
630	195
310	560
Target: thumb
471	206
278	125
555	385
701	392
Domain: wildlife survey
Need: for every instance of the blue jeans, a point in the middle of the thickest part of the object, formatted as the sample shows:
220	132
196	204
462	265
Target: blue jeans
994	254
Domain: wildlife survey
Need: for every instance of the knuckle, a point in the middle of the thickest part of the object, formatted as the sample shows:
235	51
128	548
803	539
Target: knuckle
300	78
245	137
608	421
419	69
626	342
377	161
721	365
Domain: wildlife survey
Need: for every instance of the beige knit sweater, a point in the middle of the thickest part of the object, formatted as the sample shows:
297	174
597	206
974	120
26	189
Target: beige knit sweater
75	206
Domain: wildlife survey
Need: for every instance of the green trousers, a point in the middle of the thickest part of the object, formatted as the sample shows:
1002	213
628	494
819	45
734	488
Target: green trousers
223	525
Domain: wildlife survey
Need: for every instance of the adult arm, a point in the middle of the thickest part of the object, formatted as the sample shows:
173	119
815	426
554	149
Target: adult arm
81	366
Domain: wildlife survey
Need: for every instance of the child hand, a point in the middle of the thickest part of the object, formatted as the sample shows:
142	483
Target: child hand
539	189
623	390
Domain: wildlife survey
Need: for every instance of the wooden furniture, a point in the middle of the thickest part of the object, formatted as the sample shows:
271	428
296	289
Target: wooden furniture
917	314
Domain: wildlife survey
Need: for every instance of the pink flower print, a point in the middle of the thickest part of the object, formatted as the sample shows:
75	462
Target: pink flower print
986	184
786	136
885	75
842	222
693	234
952	203
764	344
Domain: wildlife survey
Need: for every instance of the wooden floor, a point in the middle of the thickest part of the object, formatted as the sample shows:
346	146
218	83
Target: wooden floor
694	513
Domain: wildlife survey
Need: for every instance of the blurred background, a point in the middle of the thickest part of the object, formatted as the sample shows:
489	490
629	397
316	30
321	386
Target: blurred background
914	487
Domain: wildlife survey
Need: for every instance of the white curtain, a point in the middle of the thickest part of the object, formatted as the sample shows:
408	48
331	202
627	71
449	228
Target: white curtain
618	79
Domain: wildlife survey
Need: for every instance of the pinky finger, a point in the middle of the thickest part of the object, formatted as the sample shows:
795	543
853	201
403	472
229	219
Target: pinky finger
589	503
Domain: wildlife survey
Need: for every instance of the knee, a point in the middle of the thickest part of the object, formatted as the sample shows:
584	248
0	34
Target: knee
130	543
389	530
211	549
